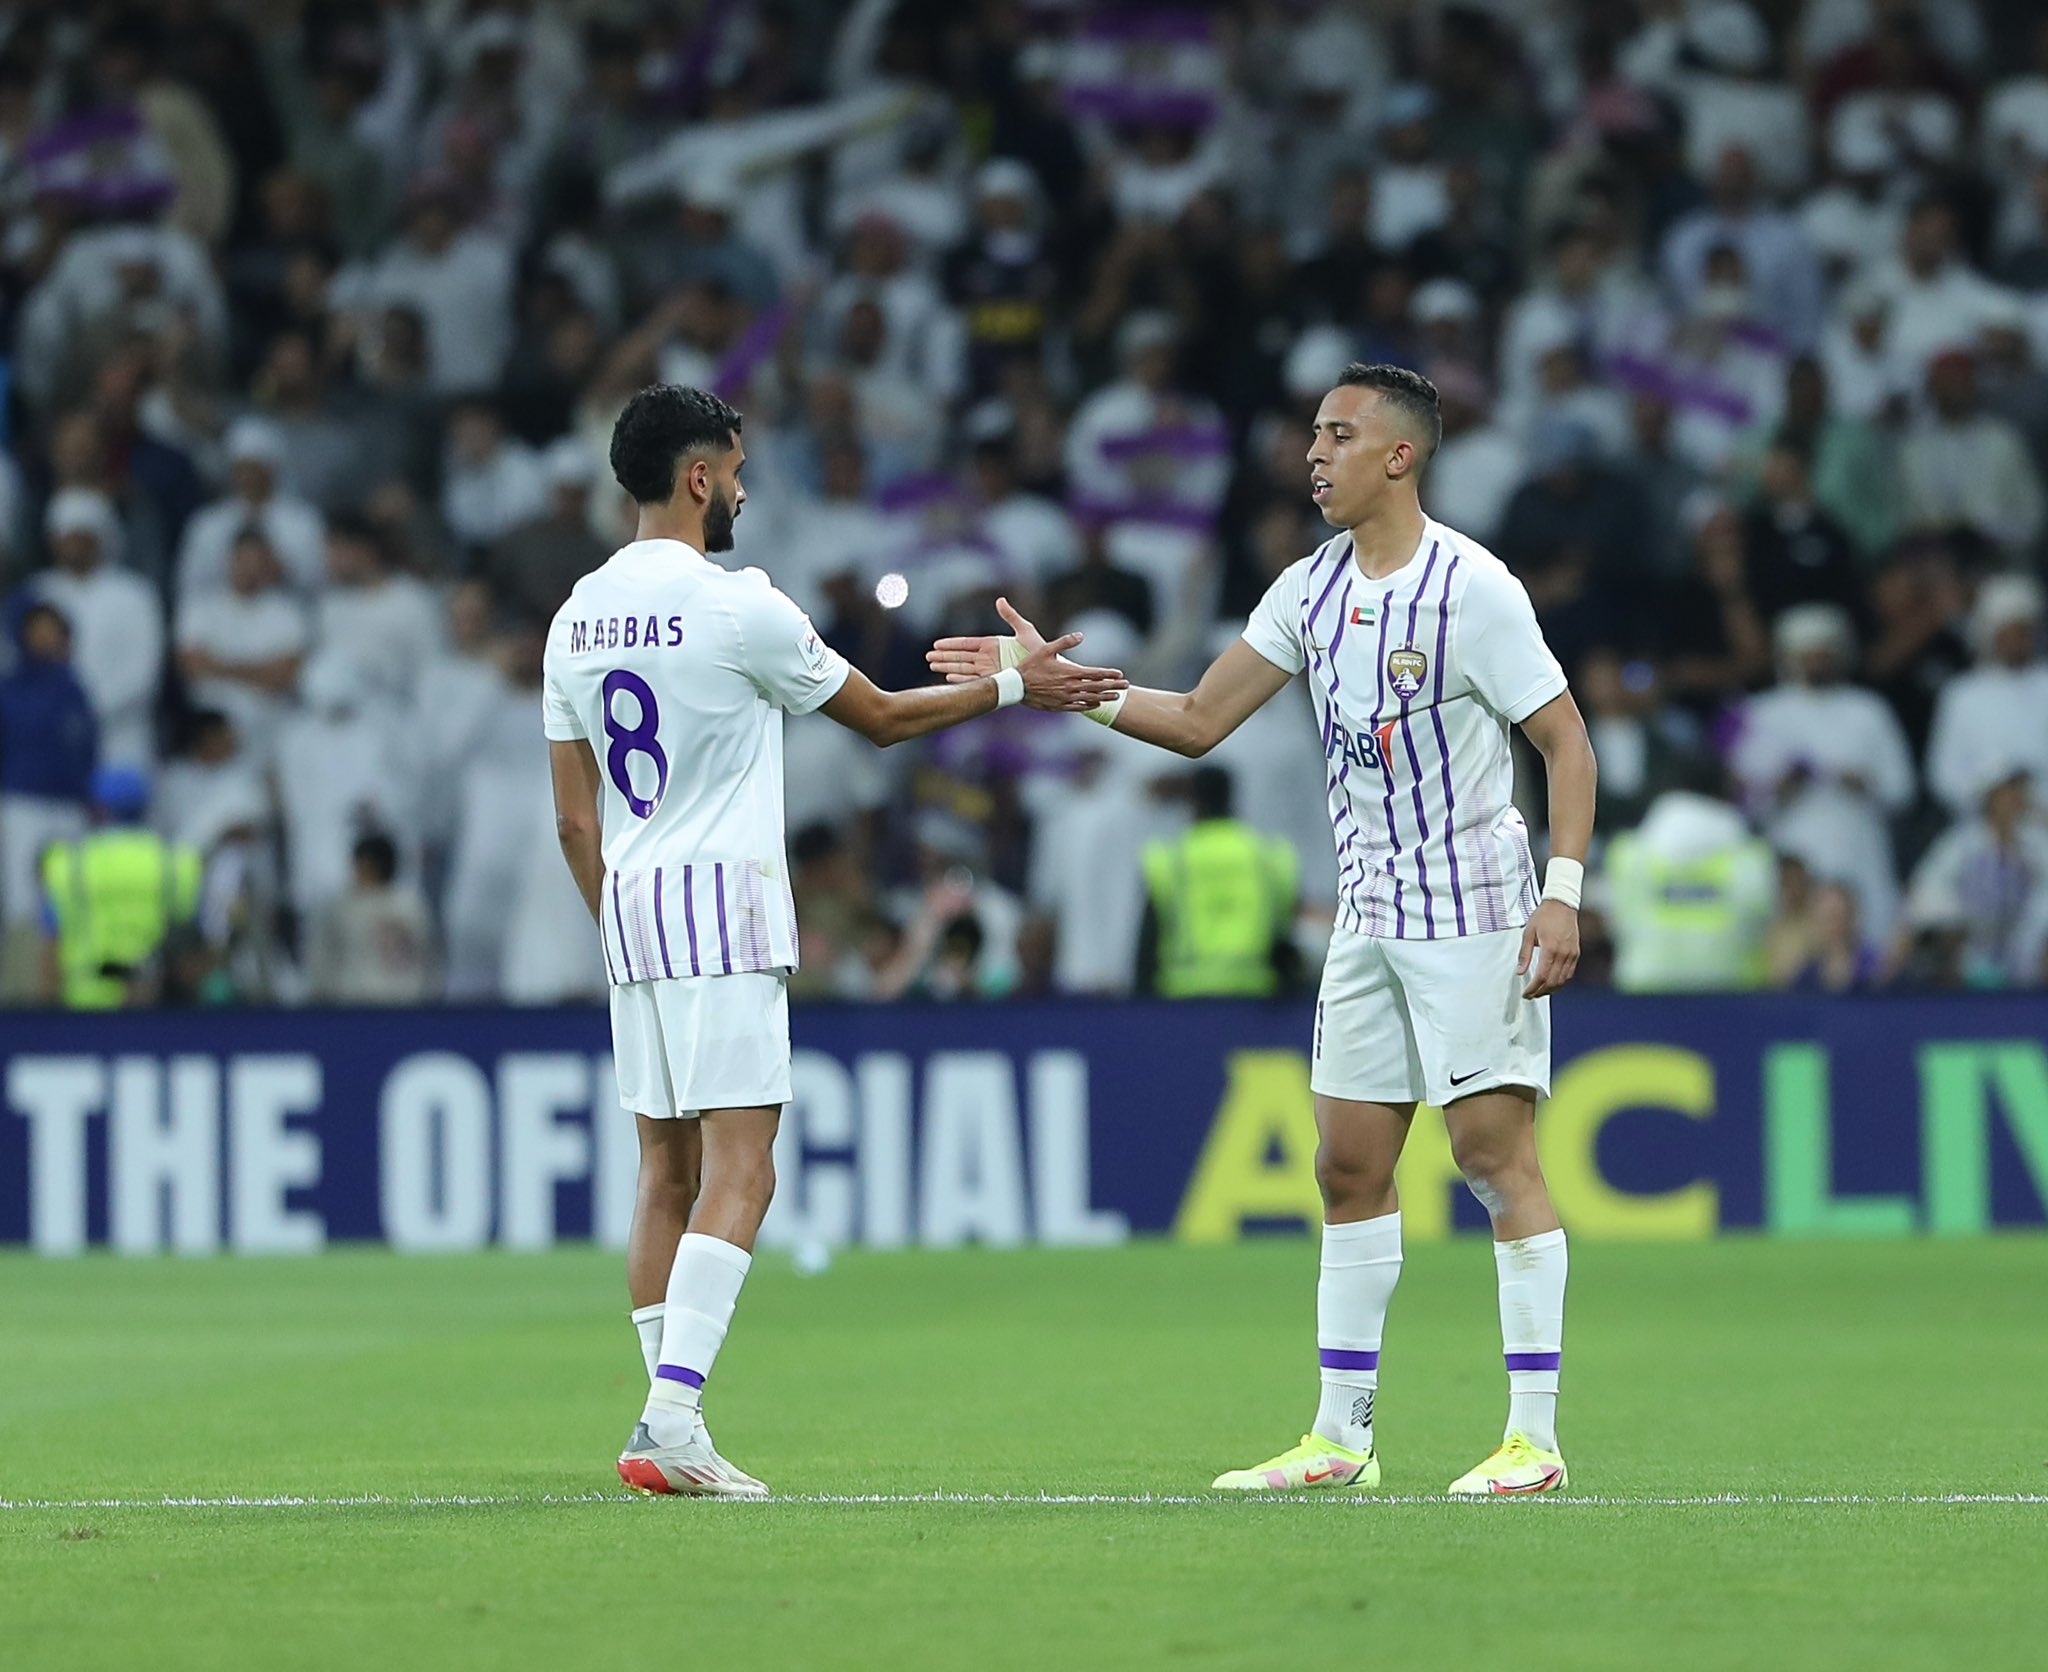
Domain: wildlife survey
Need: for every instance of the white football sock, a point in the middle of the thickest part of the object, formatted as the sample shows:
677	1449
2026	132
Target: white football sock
647	1320
1361	1265
1532	1273
703	1288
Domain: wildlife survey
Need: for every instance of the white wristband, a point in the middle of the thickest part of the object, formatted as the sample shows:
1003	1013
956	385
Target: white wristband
1105	713
1009	688
1564	880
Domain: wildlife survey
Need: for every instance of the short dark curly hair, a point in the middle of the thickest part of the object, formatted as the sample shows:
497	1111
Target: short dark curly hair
1409	393
662	425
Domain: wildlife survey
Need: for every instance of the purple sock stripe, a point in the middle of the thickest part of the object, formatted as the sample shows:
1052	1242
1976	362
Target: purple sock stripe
724	945
661	928
690	916
1443	747
1534	1361
676	1373
1342	1358
619	917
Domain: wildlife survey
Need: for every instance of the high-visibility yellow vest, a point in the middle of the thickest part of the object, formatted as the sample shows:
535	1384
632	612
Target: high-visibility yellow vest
116	895
1223	894
1692	924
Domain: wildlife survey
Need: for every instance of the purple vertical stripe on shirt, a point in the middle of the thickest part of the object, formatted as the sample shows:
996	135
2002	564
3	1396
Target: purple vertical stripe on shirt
724	945
1339	781
619	917
661	928
690	917
1337	638
1341	814
1316	608
1379	702
1342	779
1443	746
1415	762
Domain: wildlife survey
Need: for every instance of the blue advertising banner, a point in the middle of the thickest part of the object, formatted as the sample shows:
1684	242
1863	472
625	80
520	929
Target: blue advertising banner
278	1132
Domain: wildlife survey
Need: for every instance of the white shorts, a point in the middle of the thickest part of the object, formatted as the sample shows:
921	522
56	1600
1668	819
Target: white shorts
1407	1021
701	1042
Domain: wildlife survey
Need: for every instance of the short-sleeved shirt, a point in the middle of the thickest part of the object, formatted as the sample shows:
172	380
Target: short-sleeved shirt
678	672
1416	679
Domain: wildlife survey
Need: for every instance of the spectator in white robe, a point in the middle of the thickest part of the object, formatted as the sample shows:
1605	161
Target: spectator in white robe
1086	878
257	497
491	482
384	623
1481	462
117	623
458	280
1782	269
1985	878
503	768
240	646
2001	703
105	282
340	776
1825	764
1966	467
551	953
1148	458
452	708
1935	300
1714	60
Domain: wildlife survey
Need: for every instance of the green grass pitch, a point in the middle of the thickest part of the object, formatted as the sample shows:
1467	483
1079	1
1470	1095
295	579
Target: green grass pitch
1868	1420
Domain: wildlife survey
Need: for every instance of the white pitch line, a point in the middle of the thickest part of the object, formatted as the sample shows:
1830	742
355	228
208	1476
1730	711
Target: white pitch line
1732	1500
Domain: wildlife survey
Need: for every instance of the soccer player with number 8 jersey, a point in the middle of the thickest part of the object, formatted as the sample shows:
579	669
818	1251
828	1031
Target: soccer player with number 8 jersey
667	676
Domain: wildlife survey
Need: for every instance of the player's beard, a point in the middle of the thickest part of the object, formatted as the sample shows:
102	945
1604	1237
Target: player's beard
719	517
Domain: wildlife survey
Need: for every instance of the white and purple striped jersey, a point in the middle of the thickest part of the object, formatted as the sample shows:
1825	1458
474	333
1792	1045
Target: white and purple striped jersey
679	672
1416	679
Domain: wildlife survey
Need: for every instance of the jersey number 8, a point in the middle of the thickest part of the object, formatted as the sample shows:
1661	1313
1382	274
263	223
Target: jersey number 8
637	739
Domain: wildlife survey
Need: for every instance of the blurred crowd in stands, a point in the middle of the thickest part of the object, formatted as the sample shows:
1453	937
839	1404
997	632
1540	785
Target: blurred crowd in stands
317	316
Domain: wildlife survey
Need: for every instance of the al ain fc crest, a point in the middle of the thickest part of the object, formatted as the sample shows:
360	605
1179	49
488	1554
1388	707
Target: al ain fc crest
1406	670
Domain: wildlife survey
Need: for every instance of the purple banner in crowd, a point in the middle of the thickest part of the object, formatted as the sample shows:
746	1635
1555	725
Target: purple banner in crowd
751	352
1174	441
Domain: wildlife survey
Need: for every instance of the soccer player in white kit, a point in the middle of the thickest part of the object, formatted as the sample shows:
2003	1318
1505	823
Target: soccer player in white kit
666	680
1421	650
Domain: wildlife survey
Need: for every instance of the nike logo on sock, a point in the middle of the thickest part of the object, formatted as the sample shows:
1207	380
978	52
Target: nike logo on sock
1460	1079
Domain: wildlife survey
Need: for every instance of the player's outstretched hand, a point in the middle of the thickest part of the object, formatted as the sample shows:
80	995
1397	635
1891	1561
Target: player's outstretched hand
961	660
1553	938
1062	687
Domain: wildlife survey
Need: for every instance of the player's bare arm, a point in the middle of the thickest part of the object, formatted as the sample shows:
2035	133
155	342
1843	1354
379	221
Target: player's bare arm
1190	723
1048	683
1558	732
577	826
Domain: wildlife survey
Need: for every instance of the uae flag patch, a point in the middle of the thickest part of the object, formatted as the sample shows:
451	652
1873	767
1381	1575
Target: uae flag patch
1361	615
